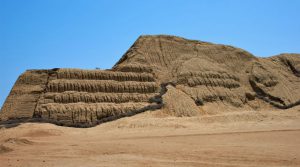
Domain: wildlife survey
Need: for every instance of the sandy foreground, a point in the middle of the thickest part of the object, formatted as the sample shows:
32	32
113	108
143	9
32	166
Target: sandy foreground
265	138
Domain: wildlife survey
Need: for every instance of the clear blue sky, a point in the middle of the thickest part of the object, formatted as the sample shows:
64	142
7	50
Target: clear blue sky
42	34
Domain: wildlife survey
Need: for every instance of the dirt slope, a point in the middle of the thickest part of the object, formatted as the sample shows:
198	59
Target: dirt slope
153	138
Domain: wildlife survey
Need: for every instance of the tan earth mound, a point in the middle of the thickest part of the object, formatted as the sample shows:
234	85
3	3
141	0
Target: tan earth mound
203	76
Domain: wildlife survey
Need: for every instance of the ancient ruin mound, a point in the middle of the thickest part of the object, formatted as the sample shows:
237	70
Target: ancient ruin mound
181	75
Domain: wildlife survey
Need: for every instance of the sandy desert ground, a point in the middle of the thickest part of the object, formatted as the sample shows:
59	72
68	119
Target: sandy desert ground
248	138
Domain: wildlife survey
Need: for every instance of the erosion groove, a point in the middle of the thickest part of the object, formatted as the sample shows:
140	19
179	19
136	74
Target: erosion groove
184	77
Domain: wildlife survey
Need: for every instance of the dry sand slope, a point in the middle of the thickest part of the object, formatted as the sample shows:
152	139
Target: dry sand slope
248	138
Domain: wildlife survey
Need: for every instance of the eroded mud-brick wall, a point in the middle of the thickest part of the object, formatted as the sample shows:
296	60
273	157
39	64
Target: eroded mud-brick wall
22	100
